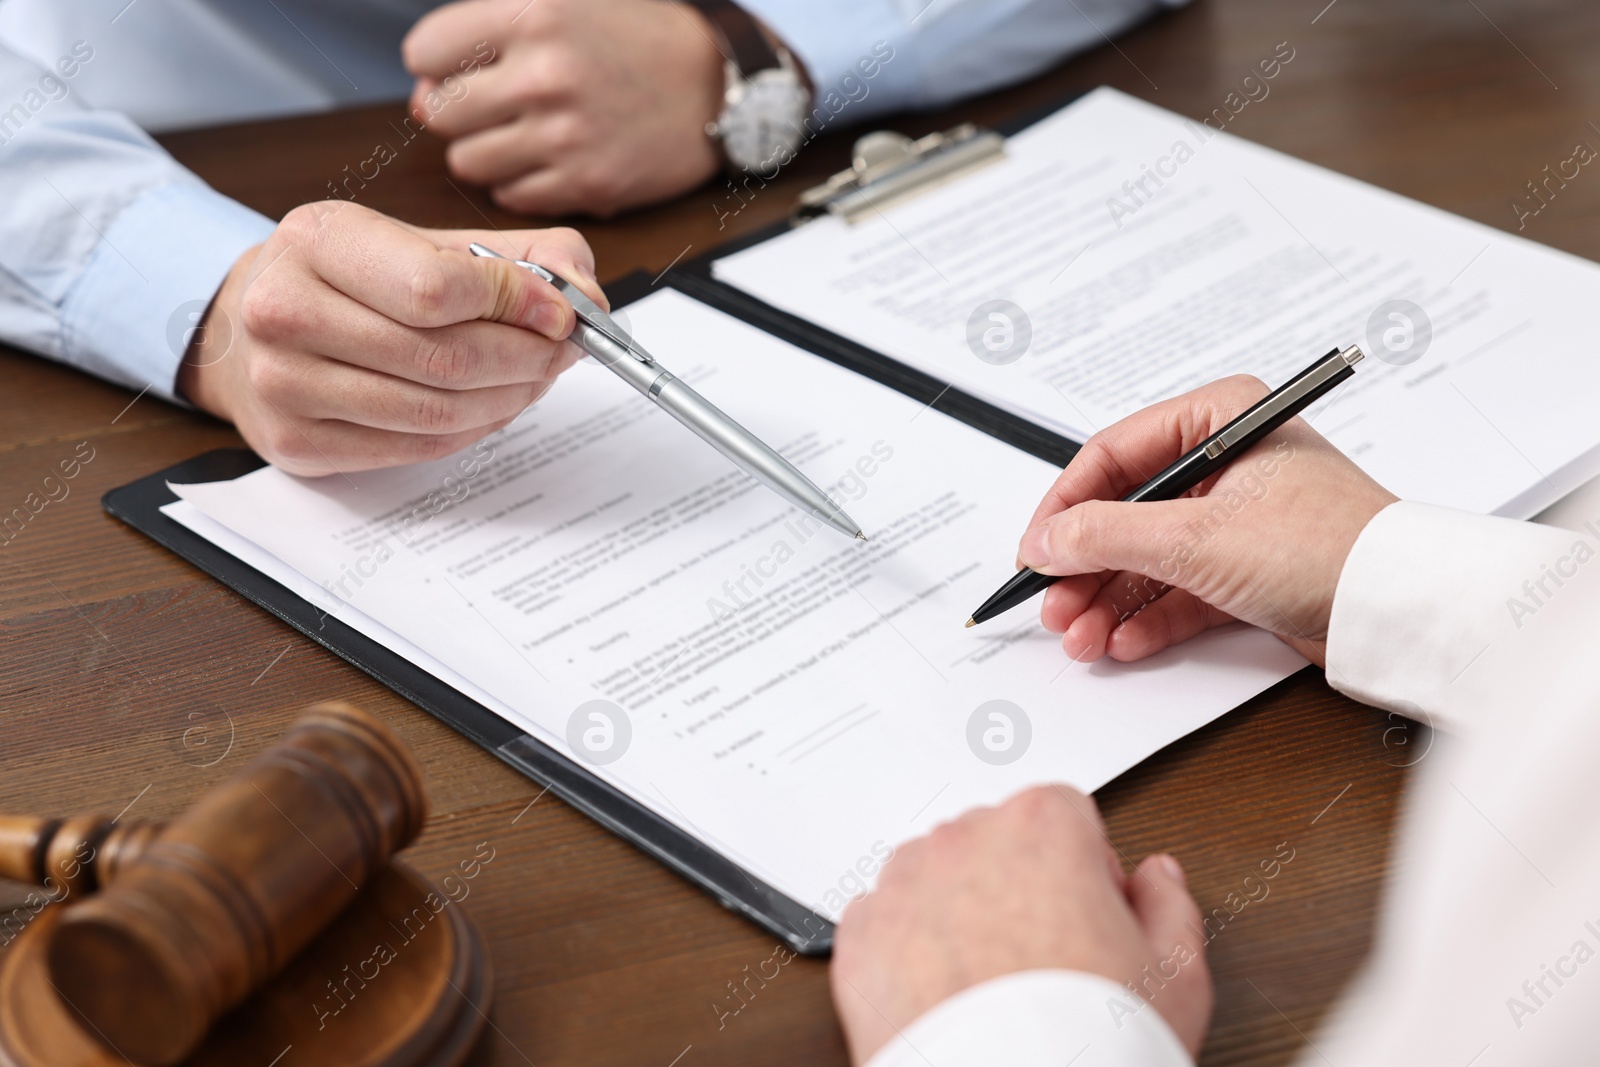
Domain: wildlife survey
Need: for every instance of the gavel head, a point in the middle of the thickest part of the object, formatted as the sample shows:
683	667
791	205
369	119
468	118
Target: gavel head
237	885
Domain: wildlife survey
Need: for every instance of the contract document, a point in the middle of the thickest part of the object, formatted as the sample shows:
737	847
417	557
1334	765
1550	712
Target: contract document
799	701
1143	254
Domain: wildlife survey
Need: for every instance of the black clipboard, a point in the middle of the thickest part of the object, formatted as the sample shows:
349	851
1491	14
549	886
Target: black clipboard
694	277
139	505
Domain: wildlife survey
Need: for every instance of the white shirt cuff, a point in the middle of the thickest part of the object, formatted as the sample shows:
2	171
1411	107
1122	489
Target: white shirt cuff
1044	1018
155	269
1426	590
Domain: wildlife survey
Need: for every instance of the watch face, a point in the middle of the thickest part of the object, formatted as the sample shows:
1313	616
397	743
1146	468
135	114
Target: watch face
761	130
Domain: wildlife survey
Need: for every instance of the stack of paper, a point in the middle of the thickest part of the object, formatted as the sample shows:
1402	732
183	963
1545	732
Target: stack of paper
798	700
1149	254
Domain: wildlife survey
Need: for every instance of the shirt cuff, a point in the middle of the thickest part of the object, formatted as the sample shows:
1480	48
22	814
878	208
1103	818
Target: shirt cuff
129	316
1038	1019
1426	590
859	57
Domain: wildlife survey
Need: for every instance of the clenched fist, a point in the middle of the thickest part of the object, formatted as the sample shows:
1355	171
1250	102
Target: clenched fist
588	106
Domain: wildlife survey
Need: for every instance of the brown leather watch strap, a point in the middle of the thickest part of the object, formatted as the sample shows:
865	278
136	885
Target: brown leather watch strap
746	45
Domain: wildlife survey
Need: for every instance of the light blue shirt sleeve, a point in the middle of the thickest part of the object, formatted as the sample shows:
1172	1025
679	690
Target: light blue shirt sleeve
939	51
108	247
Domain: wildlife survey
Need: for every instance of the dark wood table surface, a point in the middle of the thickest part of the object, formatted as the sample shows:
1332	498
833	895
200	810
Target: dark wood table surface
129	678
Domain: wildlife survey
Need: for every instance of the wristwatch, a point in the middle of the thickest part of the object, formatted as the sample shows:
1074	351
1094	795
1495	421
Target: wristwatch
762	122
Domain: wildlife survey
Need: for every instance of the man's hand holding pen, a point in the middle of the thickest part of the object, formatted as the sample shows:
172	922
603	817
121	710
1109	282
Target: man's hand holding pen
350	340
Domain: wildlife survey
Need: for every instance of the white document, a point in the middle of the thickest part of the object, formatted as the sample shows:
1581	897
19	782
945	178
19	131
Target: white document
800	701
1151	254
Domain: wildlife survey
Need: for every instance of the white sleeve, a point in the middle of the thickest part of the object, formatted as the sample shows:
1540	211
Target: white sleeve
1038	1019
1425	592
1488	626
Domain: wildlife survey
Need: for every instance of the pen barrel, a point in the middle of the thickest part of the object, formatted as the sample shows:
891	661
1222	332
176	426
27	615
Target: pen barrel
715	428
1188	471
1198	464
617	359
749	453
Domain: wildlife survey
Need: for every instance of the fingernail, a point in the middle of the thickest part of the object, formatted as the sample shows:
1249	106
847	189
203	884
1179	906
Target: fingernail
549	318
1173	868
1035	548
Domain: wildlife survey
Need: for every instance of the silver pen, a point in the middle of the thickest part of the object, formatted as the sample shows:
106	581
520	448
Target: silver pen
600	336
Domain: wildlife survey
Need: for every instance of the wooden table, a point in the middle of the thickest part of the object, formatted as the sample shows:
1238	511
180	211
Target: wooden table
130	679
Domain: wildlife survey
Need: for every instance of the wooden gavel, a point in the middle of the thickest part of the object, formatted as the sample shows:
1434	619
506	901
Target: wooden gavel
193	916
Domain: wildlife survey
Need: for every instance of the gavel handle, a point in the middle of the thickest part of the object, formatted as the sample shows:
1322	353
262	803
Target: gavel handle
75	855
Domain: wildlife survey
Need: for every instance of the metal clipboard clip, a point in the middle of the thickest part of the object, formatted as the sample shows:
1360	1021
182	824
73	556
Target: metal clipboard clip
889	167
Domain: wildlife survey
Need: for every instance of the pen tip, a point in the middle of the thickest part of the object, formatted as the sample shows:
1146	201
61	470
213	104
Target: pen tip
860	536
971	623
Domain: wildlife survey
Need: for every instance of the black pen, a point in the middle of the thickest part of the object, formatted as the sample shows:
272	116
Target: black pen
1203	460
